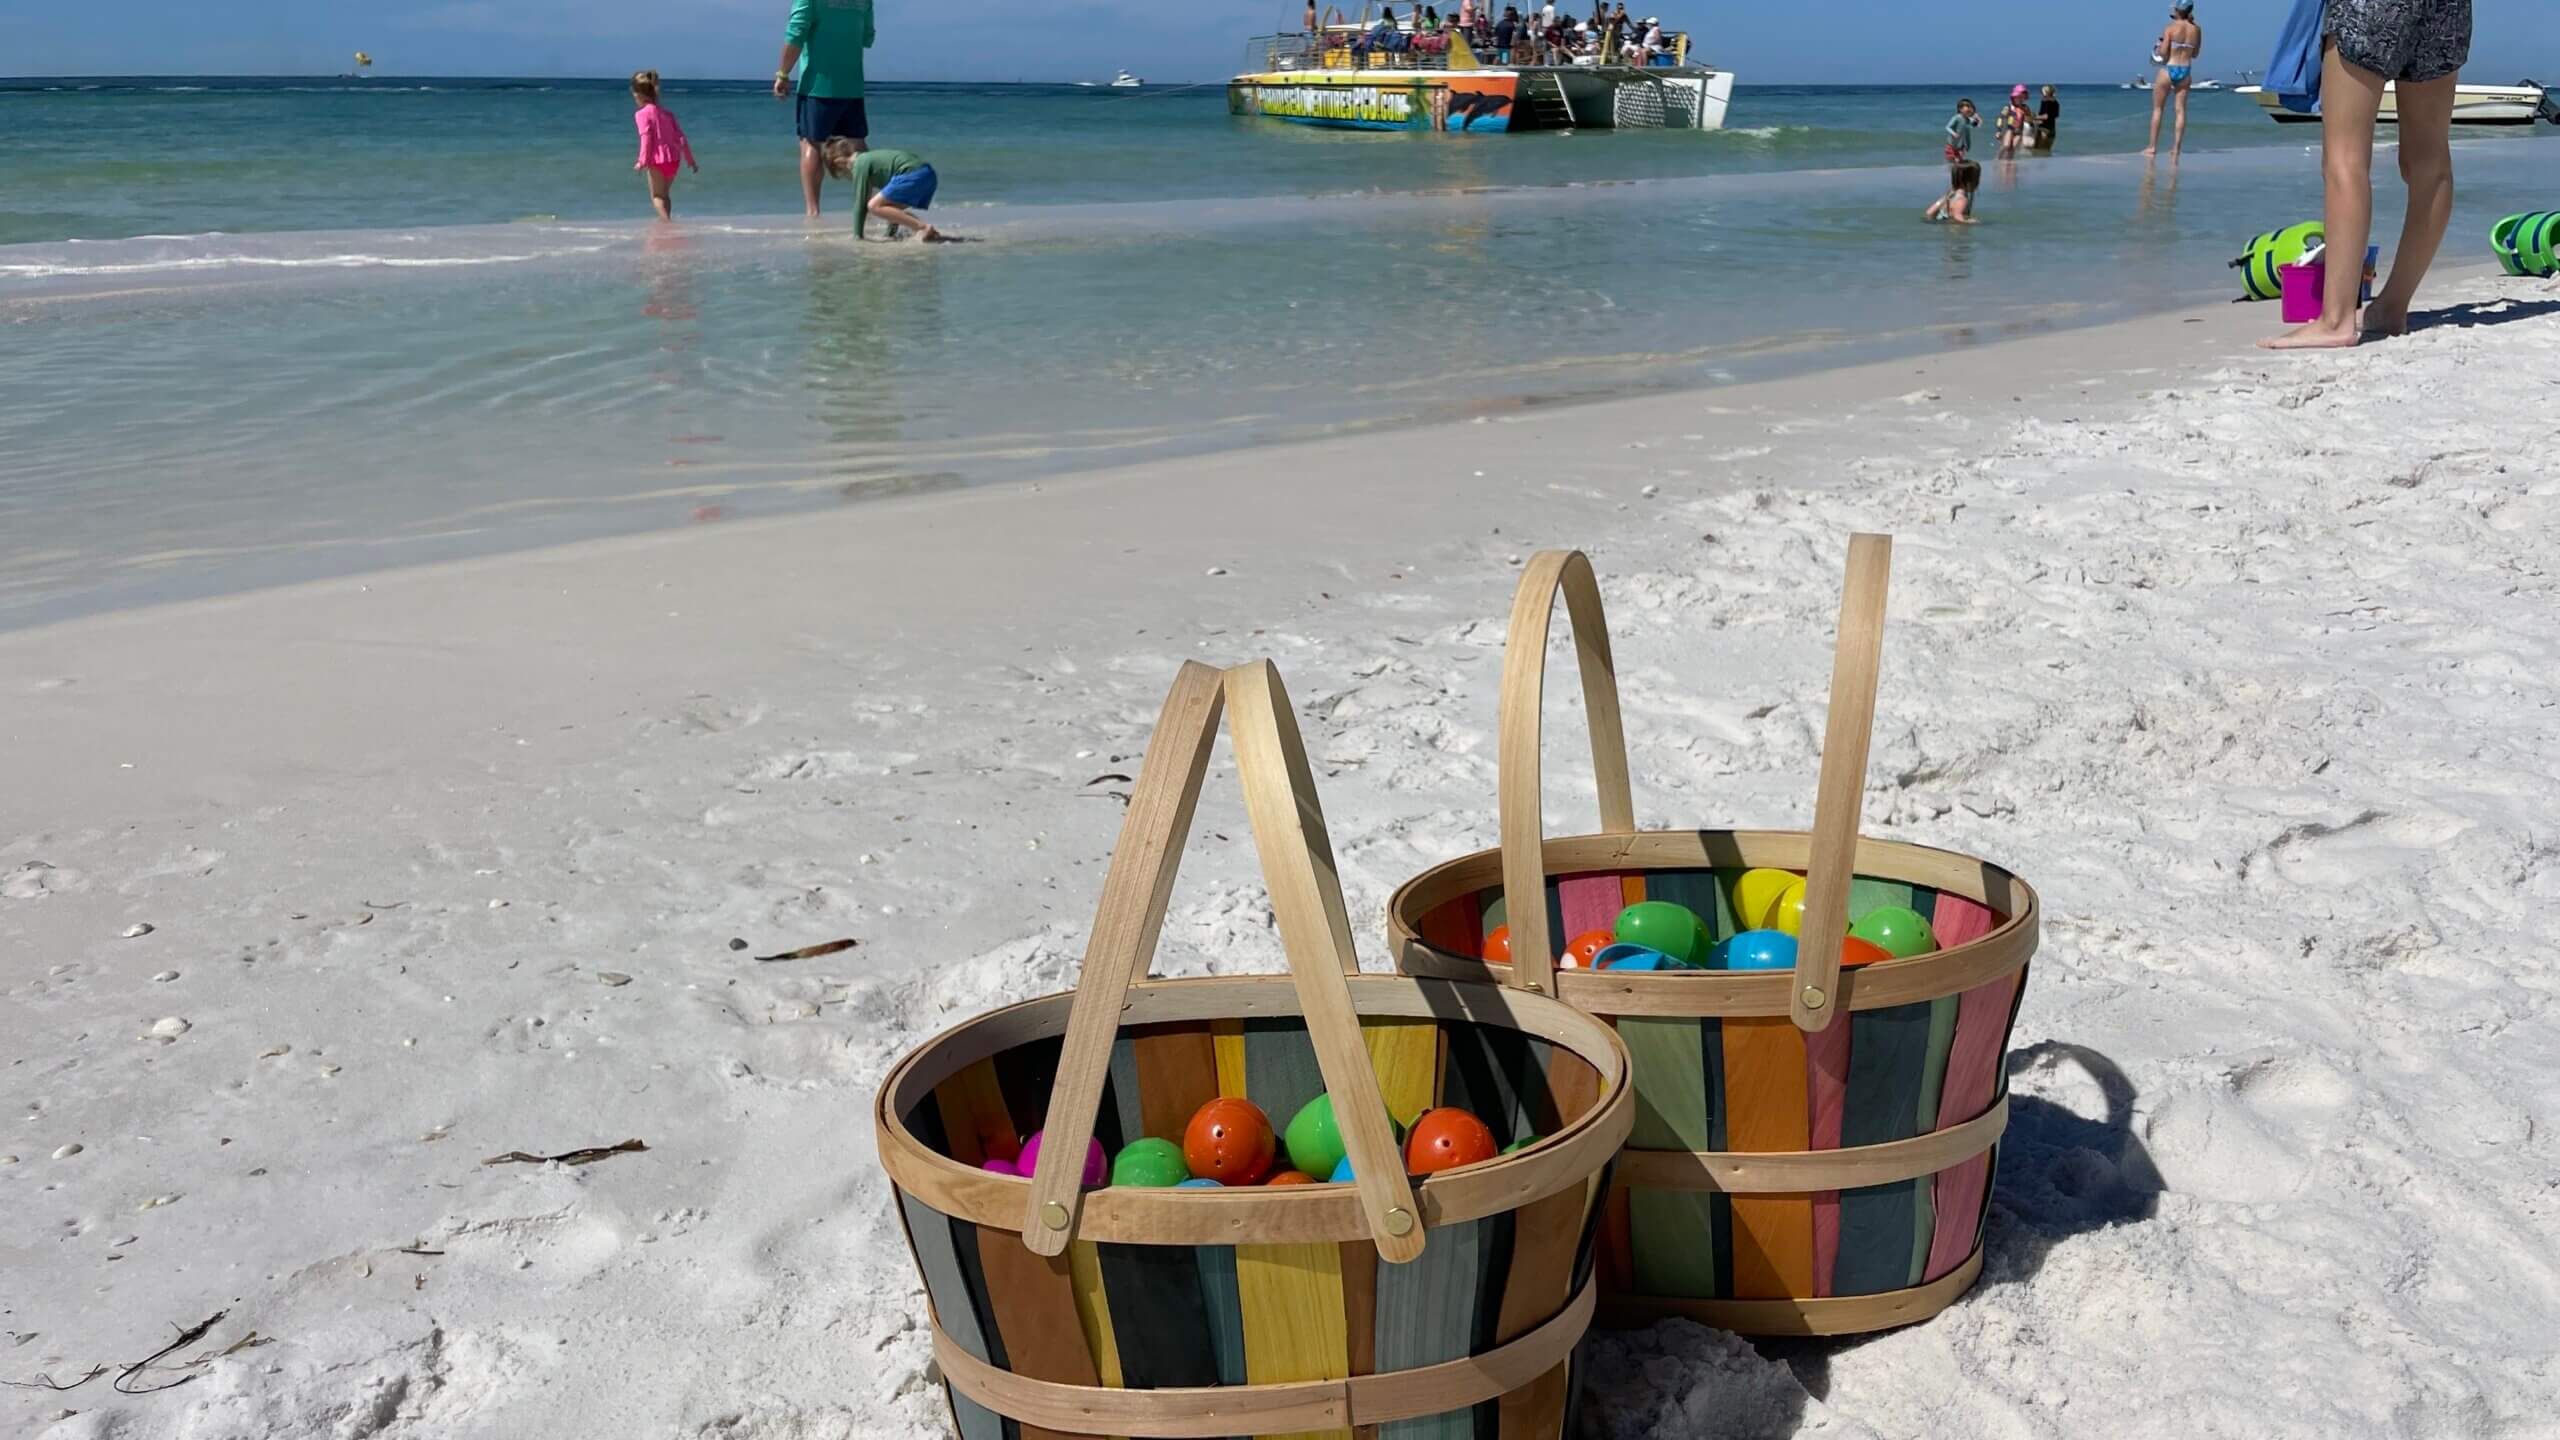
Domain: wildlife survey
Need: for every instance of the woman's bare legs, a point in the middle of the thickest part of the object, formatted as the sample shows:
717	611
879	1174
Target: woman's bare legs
2350	96
2426	163
2178	145
2159	98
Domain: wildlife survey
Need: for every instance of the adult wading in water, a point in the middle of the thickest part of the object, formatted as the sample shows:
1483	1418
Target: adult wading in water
2176	51
832	34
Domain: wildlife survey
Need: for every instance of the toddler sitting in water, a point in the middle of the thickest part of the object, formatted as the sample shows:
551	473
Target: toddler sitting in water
662	143
1964	177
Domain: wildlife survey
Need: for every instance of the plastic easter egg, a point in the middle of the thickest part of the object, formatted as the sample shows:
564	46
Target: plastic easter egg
998	1165
1200	1182
1094	1166
1228	1140
1661	925
1577	956
1445	1139
1340	1174
1497	946
1314	1140
1854	951
1786	913
1757	892
1290	1177
1759	950
1633	957
1897	929
1523	1143
1154	1162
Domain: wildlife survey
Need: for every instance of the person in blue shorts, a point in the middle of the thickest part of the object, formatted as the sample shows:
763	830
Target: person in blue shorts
832	36
892	184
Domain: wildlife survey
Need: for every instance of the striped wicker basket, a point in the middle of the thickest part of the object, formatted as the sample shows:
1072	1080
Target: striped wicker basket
1812	1153
1125	1311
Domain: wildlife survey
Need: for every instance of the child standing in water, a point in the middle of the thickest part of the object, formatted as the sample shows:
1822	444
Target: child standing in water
662	143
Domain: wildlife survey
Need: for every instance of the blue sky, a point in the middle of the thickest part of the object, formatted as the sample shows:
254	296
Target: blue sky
1769	40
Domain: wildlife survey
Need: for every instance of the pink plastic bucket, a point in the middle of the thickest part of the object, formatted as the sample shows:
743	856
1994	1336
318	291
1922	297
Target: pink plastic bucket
2303	284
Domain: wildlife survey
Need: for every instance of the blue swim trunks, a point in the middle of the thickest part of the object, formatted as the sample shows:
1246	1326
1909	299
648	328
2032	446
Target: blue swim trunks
822	120
912	190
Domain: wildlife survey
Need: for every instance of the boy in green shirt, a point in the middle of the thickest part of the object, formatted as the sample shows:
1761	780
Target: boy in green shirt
831	34
891	184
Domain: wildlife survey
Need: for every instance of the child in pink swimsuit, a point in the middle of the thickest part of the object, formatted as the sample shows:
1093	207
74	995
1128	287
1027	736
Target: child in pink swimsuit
662	143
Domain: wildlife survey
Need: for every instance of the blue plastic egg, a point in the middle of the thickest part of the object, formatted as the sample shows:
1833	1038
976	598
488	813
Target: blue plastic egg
1759	950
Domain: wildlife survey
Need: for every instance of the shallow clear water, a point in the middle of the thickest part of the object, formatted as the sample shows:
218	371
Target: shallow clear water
380	363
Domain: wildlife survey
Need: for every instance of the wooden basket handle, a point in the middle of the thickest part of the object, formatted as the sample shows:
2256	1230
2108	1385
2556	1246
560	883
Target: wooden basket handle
1520	738
1315	933
1831	864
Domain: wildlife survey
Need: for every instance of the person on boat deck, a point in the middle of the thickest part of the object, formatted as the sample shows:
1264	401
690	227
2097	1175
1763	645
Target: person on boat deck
1376	38
1505	31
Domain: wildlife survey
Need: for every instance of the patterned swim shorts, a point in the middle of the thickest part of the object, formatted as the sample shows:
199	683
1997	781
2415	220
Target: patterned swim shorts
2410	40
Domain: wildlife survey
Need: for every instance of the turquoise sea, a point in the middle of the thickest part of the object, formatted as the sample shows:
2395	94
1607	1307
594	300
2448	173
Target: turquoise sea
267	330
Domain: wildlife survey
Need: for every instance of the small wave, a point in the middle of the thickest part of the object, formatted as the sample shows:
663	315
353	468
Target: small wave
45	271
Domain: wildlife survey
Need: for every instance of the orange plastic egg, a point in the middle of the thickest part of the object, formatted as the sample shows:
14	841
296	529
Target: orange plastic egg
1445	1139
1497	946
1290	1177
1577	956
1228	1140
1854	951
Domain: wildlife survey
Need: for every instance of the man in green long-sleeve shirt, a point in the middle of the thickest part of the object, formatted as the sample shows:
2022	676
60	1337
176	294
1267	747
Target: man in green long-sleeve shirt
831	34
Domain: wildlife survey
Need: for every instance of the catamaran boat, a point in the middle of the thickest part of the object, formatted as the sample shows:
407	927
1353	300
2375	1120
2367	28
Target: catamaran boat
2518	104
1362	75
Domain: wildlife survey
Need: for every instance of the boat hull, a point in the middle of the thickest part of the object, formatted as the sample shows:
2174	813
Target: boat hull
1488	101
2472	105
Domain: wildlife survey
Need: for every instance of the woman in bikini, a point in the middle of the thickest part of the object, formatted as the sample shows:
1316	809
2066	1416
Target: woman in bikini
2176	53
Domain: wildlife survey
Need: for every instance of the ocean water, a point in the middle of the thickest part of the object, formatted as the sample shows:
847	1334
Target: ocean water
260	331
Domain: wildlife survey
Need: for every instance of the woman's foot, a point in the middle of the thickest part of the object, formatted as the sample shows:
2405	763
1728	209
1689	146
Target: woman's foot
2318	335
2382	319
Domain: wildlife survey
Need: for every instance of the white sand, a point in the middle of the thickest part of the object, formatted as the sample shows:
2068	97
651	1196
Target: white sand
2248	662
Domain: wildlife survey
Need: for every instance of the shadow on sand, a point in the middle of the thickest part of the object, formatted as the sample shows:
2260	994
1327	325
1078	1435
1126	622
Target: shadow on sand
2473	314
2061	1174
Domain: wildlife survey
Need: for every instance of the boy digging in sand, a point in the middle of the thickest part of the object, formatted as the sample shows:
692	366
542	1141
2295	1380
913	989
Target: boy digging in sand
892	184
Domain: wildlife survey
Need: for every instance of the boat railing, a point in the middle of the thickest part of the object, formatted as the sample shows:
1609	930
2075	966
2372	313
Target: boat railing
1358	47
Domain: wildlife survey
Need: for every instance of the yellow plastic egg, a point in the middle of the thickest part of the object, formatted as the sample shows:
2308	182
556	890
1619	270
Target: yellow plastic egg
1756	892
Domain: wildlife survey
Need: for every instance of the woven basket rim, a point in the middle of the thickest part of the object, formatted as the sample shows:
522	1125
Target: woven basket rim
2006	947
1259	1215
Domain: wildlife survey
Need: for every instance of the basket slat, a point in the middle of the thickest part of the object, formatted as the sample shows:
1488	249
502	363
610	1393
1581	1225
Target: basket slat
1291	1296
1407	1055
1826	1084
1765	1109
1160	1314
1888	1051
1093	1310
1177	1074
1973	1073
975	1122
1220	1291
1671	1077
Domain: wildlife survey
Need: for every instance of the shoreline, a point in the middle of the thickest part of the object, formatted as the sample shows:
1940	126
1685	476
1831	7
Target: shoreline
2241	659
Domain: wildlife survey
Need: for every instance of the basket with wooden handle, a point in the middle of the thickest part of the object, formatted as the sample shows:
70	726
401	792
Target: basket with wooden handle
1311	1309
1813	1149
